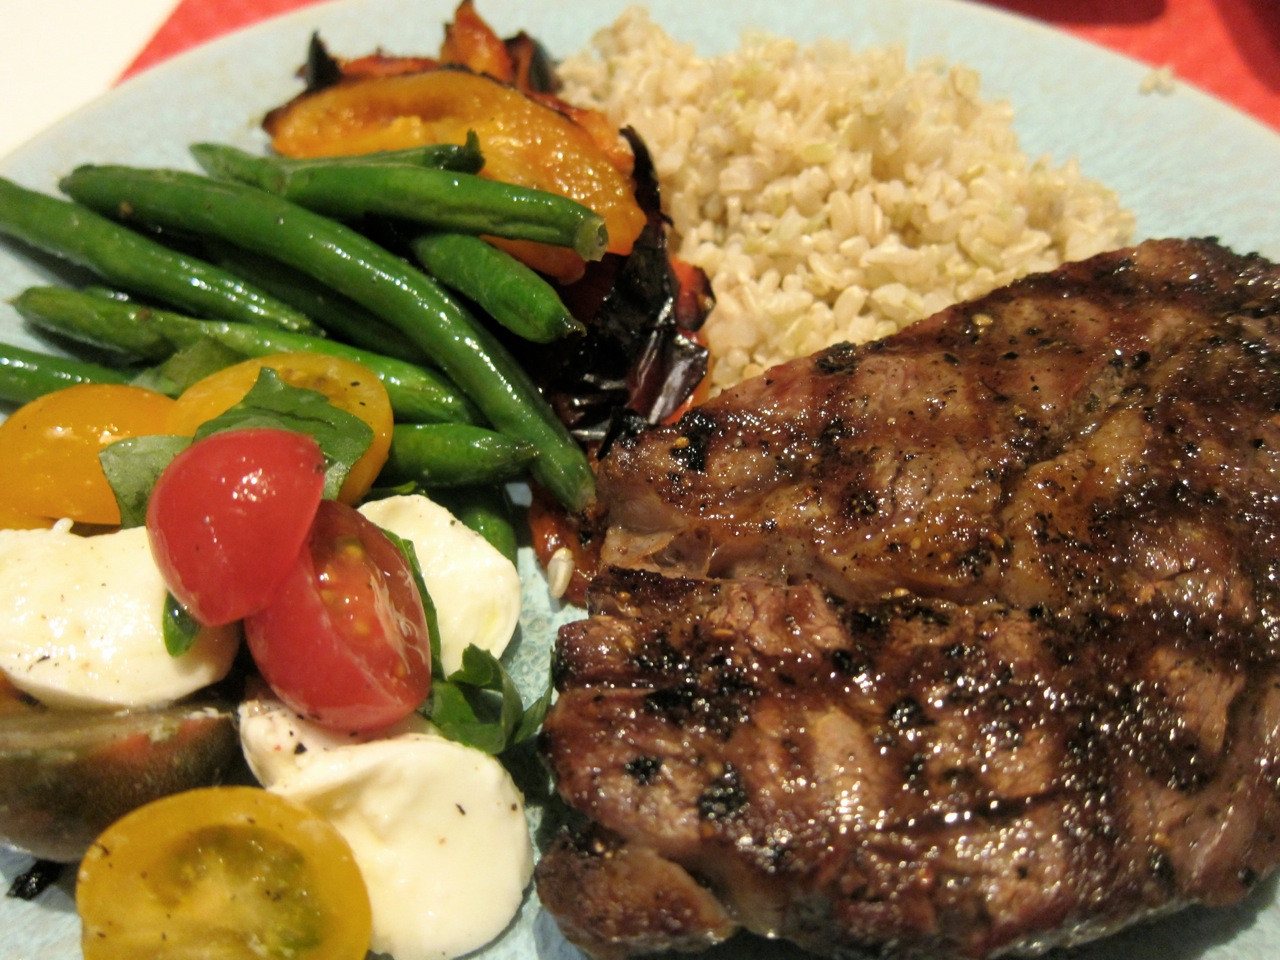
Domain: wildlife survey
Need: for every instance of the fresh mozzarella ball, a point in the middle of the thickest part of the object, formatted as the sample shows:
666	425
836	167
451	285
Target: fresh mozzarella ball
81	623
277	740
437	828
475	589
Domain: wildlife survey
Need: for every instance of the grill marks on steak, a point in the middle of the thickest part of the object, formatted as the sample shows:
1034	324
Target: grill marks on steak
902	464
954	644
942	779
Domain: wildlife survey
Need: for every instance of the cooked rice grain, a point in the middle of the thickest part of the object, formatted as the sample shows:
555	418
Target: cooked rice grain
831	194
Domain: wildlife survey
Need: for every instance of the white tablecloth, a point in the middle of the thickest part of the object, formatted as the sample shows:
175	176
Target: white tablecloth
56	55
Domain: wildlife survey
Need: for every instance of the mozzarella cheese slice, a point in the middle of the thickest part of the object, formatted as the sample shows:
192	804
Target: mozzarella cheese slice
81	623
475	589
437	828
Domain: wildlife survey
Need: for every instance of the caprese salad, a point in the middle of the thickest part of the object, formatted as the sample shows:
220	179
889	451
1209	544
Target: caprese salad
232	549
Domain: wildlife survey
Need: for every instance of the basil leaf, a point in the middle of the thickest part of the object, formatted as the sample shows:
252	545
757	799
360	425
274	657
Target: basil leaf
343	437
482	671
132	467
179	627
428	605
534	716
461	716
478	704
187	366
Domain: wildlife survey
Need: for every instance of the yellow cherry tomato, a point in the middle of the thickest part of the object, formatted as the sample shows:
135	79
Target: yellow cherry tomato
227	872
349	386
49	450
12	518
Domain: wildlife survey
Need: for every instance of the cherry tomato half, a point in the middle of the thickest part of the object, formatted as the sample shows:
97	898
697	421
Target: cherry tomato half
231	872
344	641
49	450
229	515
349	386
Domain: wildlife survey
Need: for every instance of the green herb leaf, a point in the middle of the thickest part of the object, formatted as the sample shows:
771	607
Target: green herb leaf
132	467
180	628
187	366
460	715
428	605
478	704
343	437
482	670
534	716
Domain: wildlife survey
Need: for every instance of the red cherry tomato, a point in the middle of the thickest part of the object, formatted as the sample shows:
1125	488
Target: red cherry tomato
229	515
344	640
348	385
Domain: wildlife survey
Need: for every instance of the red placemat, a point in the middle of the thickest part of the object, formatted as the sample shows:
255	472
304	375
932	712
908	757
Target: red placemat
197	21
1229	48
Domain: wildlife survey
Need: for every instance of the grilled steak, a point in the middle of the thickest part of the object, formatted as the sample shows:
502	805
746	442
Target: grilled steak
951	645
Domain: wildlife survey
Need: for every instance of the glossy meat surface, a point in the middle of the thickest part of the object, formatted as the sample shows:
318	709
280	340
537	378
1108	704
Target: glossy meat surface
956	644
956	459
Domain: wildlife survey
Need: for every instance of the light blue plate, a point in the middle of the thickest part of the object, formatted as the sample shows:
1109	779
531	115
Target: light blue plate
1184	163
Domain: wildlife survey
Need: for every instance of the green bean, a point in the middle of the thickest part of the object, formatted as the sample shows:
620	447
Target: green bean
111	293
505	288
355	266
441	199
461	158
94	319
27	374
341	317
135	262
416	394
454	454
486	510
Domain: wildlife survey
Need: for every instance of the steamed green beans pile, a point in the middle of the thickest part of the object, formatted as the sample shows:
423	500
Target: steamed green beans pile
284	267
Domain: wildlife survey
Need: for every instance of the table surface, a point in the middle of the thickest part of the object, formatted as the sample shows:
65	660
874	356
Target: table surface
56	55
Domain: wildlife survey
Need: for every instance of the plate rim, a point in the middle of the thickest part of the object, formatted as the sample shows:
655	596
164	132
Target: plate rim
154	79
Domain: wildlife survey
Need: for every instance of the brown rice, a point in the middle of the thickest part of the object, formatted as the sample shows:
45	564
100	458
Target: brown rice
834	194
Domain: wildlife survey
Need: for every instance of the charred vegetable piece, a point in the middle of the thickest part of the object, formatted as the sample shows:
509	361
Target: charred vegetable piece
355	266
524	142
443	199
135	262
527	67
534	70
65	775
470	42
640	352
322	69
35	880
